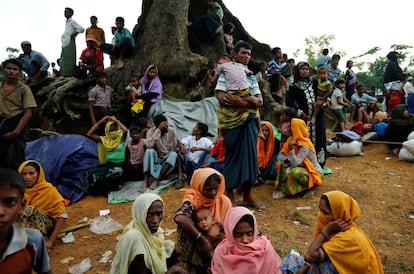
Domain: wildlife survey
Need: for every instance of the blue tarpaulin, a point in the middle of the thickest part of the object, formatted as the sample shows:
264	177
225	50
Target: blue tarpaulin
65	160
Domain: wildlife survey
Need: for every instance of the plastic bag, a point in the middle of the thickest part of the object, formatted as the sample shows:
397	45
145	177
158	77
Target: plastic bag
82	267
104	225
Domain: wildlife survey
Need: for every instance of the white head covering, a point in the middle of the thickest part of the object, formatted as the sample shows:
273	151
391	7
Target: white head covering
137	239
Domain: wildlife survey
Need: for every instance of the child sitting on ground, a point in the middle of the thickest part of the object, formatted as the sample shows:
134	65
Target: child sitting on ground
217	154
236	82
324	91
212	231
134	154
22	250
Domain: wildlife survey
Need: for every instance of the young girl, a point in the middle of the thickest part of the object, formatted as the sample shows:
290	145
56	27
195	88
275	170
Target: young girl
217	154
134	154
151	88
324	91
243	251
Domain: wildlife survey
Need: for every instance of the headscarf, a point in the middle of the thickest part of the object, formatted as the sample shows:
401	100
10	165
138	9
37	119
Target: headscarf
230	256
154	86
350	251
137	239
300	134
219	206
265	148
109	142
397	116
43	195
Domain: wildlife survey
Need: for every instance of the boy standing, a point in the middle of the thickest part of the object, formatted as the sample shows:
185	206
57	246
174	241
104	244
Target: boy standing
339	104
96	31
99	98
21	249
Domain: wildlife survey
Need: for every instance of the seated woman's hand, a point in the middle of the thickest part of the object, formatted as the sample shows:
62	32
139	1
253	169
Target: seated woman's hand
337	226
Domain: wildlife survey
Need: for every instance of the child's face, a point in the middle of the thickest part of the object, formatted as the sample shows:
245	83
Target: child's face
204	220
135	81
135	135
405	113
243	233
265	131
152	73
323	74
341	86
11	204
367	127
102	81
30	176
262	67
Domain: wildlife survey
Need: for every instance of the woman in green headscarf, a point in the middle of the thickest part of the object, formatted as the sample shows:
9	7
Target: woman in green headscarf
401	125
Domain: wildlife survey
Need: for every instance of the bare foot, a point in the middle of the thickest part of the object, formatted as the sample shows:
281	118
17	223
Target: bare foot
143	188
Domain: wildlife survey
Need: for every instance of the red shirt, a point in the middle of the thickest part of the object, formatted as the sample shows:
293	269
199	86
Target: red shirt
96	56
218	150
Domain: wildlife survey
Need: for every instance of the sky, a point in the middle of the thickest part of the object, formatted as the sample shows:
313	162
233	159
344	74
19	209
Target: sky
357	25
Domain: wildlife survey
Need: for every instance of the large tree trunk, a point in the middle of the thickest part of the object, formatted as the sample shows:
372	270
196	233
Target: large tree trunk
162	38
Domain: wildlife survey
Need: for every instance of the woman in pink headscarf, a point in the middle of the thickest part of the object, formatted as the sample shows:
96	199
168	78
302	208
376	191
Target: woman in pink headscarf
242	251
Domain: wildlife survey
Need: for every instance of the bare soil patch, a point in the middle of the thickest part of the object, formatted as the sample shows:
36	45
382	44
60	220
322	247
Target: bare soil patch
382	185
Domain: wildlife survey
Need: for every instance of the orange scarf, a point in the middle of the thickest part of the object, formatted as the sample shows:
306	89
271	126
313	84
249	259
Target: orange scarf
300	134
219	205
43	195
350	251
265	148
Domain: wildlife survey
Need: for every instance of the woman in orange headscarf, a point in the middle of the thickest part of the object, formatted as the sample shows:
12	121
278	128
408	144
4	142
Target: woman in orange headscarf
207	191
297	168
339	244
45	208
267	150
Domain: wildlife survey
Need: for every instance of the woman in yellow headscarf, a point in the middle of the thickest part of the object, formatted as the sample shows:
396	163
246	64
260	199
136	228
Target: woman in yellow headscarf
297	168
339	244
111	146
45	208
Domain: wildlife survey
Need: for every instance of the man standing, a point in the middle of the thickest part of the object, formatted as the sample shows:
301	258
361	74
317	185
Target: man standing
16	104
235	117
161	155
333	68
34	63
68	55
96	31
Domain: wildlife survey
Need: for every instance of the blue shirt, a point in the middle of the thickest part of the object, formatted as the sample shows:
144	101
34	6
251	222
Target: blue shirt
356	99
37	57
121	36
333	73
275	65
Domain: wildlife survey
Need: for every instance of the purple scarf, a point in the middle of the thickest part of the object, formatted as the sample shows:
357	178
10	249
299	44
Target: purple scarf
155	85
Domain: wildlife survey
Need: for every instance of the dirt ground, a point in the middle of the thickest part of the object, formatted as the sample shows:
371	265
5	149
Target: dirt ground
382	185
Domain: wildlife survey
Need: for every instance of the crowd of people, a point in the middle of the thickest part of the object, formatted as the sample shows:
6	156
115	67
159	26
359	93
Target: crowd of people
214	233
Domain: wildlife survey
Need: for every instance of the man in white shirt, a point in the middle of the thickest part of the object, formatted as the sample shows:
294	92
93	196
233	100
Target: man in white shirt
195	149
68	55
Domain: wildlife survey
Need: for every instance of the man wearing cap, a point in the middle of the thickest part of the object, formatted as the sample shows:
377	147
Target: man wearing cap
96	31
195	148
35	64
92	56
161	155
68	55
